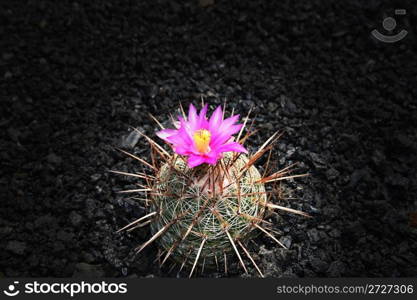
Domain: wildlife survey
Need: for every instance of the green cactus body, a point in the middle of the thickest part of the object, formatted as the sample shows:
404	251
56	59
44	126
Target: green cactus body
206	199
204	208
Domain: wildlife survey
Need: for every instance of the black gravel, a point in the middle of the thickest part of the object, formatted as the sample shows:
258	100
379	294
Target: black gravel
74	76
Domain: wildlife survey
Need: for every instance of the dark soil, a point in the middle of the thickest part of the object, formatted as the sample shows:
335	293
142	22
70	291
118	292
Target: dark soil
76	75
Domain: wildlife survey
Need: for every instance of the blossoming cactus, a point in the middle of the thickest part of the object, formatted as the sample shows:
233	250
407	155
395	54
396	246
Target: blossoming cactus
206	198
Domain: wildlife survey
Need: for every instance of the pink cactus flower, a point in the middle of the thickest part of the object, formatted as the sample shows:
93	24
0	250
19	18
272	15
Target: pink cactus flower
202	140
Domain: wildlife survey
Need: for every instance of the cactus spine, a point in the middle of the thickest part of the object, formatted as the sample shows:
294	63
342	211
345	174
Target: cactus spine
200	215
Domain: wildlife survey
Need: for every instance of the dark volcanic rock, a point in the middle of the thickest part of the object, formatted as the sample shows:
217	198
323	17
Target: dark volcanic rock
77	76
318	265
336	269
75	219
87	270
16	247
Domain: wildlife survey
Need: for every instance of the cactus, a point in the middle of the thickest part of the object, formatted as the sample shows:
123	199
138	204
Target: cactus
207	199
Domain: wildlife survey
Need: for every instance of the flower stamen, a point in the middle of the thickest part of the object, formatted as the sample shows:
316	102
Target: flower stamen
202	139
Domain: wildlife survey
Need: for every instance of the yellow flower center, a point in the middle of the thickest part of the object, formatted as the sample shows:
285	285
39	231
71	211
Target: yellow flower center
202	140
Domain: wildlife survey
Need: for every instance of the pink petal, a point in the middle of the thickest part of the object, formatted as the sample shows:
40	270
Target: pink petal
185	130
203	111
182	150
224	135
228	125
192	117
216	119
165	133
231	120
221	135
234	146
225	124
183	136
234	129
202	120
212	160
195	160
